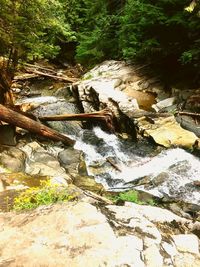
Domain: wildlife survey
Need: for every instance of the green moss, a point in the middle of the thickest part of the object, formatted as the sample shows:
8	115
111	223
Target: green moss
46	194
132	196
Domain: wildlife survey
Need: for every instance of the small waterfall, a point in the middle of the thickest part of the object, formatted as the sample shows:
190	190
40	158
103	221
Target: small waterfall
120	164
171	173
158	164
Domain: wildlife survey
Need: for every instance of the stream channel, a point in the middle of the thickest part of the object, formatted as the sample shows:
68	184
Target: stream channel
121	164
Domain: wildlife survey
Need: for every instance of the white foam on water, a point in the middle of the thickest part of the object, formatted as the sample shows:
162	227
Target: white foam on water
89	151
178	167
112	141
157	164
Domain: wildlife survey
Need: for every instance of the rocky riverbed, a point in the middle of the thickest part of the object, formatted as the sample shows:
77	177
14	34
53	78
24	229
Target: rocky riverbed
93	230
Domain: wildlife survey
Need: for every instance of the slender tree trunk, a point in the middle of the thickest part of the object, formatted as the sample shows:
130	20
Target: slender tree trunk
105	115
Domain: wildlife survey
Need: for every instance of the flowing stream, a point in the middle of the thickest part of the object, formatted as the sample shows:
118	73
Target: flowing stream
170	173
121	164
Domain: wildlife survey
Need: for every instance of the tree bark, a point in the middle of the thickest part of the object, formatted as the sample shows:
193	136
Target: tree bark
104	115
5	85
19	120
56	77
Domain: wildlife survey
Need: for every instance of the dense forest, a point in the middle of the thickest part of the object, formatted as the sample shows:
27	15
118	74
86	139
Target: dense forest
165	33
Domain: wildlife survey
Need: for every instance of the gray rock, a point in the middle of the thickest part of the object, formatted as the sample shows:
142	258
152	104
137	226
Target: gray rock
58	108
189	124
13	159
164	103
69	156
44	163
51	105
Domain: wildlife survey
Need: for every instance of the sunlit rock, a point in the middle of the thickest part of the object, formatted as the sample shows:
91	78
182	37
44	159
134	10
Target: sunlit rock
186	243
167	132
164	103
81	234
153	257
42	162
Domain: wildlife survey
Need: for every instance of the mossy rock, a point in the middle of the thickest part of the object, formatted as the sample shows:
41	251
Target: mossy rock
88	183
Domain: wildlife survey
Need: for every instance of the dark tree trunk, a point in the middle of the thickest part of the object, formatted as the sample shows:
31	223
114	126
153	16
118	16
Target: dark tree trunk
6	97
19	120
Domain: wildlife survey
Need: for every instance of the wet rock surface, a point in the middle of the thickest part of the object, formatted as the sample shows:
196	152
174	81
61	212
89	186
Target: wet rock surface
169	174
42	161
51	105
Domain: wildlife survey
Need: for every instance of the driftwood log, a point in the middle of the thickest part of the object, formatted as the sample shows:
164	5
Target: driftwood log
61	78
105	115
19	120
34	71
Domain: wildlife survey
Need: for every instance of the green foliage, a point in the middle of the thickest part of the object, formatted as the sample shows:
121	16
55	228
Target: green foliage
45	195
152	28
165	30
132	196
30	29
142	30
98	35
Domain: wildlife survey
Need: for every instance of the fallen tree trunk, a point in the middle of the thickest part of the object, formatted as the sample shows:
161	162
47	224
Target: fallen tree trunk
19	120
56	77
25	76
35	66
104	115
79	117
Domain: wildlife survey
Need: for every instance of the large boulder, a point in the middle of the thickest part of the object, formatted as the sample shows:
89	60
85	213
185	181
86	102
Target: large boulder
79	234
167	132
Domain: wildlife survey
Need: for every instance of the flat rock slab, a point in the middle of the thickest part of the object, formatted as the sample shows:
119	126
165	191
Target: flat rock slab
67	235
78	234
